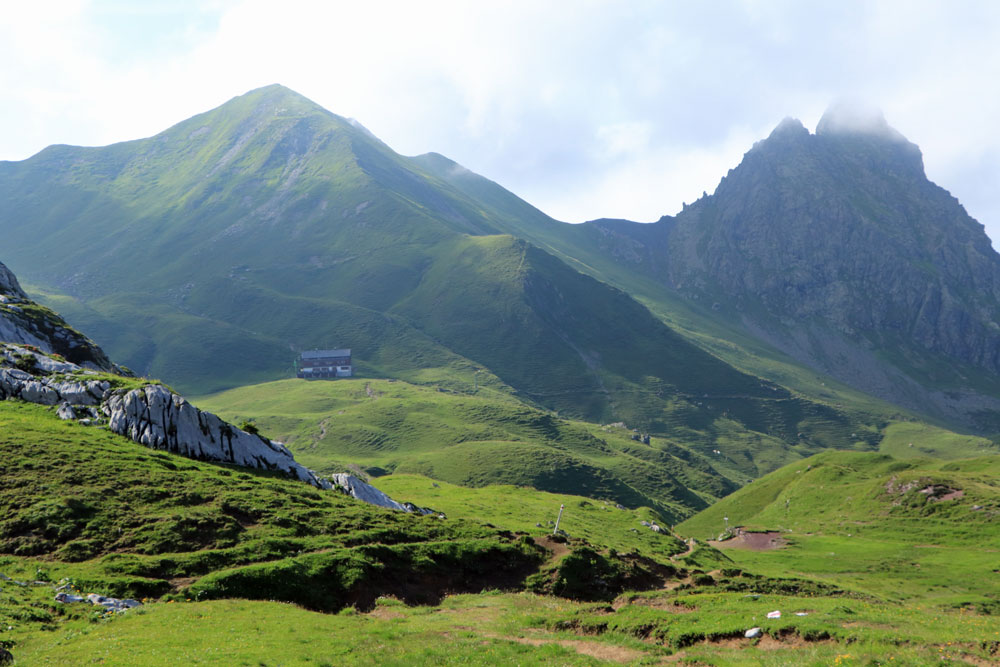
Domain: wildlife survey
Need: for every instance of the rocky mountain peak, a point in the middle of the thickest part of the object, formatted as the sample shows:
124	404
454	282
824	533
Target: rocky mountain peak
842	229
8	284
862	134
789	128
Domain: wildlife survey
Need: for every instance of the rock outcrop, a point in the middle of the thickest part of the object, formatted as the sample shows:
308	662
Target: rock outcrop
9	287
156	417
24	321
151	415
362	490
18	383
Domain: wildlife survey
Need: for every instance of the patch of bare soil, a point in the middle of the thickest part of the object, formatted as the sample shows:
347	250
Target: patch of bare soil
178	583
957	651
557	549
941	492
384	613
763	541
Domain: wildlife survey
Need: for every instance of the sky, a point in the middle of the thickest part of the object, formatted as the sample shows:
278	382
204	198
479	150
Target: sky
585	108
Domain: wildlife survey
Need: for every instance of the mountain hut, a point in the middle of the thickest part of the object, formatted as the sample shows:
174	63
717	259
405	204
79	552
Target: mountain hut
325	364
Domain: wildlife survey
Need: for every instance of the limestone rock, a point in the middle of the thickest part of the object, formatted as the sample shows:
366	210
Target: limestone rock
366	492
160	419
152	415
9	286
66	411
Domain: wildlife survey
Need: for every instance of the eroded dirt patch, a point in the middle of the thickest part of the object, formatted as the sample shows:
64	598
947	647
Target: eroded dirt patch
384	613
762	541
558	549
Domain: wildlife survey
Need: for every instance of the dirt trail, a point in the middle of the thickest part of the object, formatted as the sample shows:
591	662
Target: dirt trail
691	546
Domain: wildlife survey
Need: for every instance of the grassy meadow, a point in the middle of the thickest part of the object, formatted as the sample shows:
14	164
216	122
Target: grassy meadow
475	437
472	439
918	530
247	568
697	625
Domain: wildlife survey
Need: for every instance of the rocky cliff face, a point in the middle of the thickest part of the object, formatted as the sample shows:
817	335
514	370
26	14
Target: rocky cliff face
24	321
843	225
836	248
154	416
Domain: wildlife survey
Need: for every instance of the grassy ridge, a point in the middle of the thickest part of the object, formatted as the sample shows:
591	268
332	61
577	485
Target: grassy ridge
475	439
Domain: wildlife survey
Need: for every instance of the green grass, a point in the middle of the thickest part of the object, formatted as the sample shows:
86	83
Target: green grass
520	508
703	626
471	439
464	630
862	521
132	521
84	506
708	626
905	440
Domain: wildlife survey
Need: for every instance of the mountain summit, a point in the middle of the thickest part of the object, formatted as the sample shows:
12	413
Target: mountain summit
836	248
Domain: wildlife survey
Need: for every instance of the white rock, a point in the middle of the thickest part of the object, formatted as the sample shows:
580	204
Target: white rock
753	633
157	418
37	392
366	492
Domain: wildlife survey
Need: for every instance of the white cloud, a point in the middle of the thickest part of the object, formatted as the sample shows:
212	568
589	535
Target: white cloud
586	108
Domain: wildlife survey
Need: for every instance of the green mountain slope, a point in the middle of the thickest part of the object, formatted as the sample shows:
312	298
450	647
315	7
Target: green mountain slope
137	522
209	254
